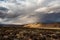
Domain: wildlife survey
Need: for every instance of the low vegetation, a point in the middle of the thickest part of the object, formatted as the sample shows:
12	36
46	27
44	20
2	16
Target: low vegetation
30	32
21	33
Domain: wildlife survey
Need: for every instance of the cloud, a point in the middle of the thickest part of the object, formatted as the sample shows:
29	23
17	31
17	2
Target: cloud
53	6
26	11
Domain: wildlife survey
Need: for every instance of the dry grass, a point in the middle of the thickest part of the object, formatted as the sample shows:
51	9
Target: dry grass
34	25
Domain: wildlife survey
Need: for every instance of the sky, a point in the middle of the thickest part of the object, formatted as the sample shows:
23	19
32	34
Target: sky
29	11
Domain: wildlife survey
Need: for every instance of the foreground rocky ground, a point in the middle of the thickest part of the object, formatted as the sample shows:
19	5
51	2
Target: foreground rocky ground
21	33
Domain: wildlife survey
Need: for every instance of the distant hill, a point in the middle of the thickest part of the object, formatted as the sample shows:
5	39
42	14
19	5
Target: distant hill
38	25
32	25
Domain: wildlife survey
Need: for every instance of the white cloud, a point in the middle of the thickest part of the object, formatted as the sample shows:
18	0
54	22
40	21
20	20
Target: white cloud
21	11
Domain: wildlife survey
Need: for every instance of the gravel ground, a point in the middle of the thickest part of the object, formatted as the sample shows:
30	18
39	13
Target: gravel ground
18	33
